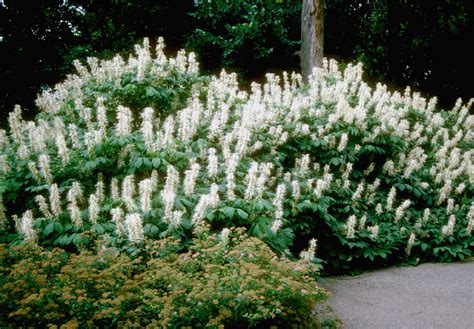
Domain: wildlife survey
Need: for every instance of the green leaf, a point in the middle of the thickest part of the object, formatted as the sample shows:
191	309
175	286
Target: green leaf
138	162
76	238
109	226
258	230
58	227
65	240
211	215
156	162
267	204
186	202
98	228
228	211
48	229
242	214
150	91
178	204
186	224
151	229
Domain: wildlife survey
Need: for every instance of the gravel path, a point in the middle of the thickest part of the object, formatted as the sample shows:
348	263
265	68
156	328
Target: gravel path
422	297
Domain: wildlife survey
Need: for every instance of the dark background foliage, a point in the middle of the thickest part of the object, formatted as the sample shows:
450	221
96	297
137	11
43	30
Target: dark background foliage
419	43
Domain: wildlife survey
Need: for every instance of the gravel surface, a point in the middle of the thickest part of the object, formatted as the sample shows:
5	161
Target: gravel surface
421	297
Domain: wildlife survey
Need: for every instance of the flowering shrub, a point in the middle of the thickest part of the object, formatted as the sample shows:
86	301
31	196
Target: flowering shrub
146	149
230	280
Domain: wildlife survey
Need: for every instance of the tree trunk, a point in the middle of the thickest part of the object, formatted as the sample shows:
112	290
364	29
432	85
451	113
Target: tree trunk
312	36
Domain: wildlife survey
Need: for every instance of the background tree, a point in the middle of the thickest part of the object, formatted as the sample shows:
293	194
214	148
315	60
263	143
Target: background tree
110	26
40	39
34	36
312	35
250	37
418	43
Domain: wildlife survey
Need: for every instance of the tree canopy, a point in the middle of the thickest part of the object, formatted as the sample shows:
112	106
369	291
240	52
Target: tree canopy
422	43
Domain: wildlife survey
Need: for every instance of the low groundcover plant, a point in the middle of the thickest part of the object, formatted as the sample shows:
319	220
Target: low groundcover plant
143	149
232	280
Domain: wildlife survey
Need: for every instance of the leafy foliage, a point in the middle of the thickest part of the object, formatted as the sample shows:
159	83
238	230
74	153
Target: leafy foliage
247	36
238	283
418	43
32	38
375	177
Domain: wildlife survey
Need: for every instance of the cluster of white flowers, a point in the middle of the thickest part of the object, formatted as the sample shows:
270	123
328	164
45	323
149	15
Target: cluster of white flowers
278	201
401	209
225	236
147	128
411	241
358	192
115	189
308	255
206	201
44	167
415	161
374	231
450	206
470	219
128	192
426	215
190	179
448	229
391	198
55	200
168	194
62	148
276	225
379	209
223	129
372	189
145	190
265	171
346	174
26	226
302	165
212	163
251	180
124	121
232	163
100	189
43	206
295	190
362	222
350	226
93	208
134	226
118	220
322	184
74	196
343	142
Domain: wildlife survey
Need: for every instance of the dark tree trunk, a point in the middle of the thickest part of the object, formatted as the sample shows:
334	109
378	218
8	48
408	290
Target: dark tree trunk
312	36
